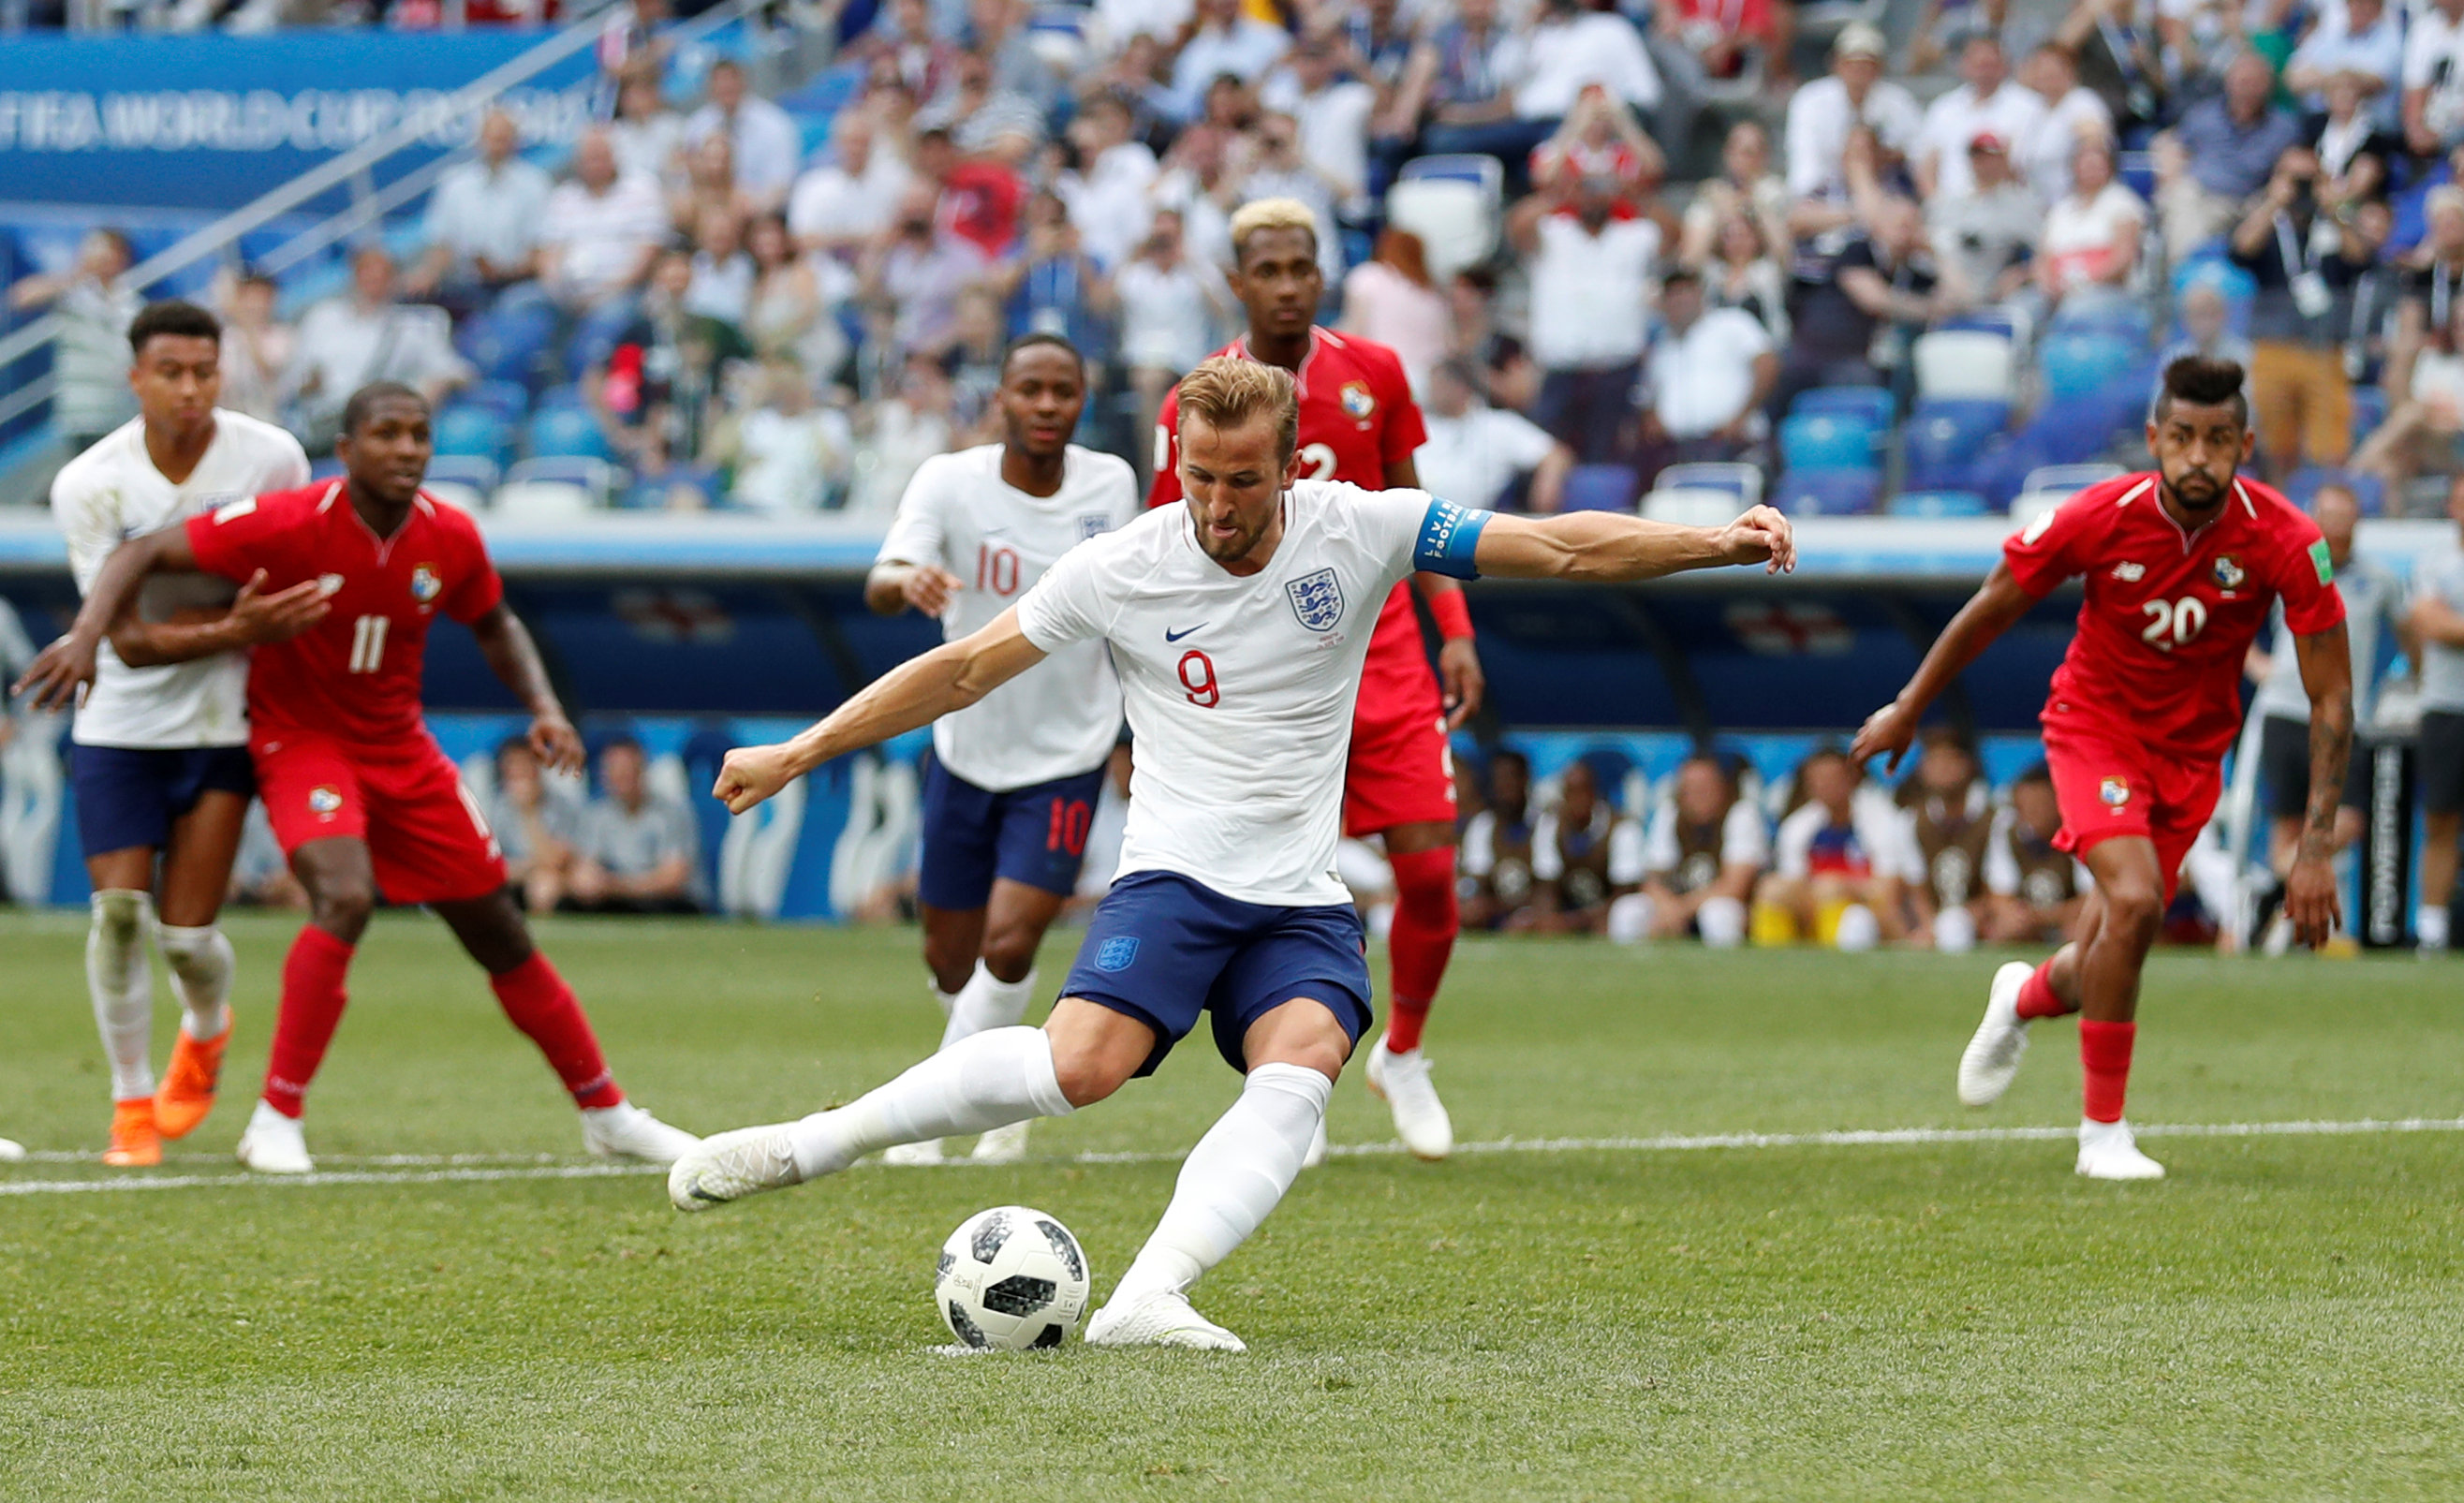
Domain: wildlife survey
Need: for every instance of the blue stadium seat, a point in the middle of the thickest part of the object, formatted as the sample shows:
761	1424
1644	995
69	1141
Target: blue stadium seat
1872	402
2303	485
1938	503
1943	437
1828	440
1828	492
1600	488
565	432
2082	365
2369	410
2237	286
506	346
508	400
475	433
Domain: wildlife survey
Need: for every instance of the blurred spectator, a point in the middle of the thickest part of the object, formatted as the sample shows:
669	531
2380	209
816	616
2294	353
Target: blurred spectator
535	827
1945	26
1743	275
2433	276
1881	285
977	114
2433	103
630	41
1107	194
767	145
784	455
2206	330
654	396
2093	232
1374	43
1986	231
2302	404
483	222
1745	188
1575	44
1052	286
1711	372
915	270
365	335
258	345
710	186
1474	451
1495	878
1836	878
2210	166
1463	76
904	41
977	198
1391	298
2425	391
978	338
997	32
1221	38
1591	287
1987	103
723	274
2354	148
899	434
1333	115
1823	111
1709	40
1269	164
1946	814
841	205
1169	304
638	851
647	136
1509	377
2436	618
788	313
1584	857
1704	850
2035	889
90	358
1599	138
598	231
2074	113
2365	38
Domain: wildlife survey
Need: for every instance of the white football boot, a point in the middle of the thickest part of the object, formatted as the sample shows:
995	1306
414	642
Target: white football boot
1001	1145
1992	1055
729	1166
1317	1147
908	1155
2108	1152
273	1143
10	1150
1164	1320
625	1131
1402	1082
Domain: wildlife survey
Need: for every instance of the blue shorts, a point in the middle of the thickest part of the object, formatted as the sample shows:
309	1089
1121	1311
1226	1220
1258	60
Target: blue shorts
133	795
1162	948
1036	835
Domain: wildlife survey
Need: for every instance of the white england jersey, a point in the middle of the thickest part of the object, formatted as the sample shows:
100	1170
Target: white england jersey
1061	717
1240	690
112	493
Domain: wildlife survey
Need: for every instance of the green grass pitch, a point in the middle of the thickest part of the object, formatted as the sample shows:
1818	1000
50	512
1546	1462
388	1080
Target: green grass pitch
2281	1318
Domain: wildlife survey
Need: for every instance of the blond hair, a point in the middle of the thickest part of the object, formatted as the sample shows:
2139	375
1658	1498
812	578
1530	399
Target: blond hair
1227	392
1270	213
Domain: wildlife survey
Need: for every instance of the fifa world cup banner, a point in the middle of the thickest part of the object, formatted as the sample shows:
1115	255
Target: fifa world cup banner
212	122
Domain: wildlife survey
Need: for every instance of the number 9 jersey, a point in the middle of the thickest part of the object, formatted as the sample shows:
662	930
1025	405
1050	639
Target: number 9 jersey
1061	717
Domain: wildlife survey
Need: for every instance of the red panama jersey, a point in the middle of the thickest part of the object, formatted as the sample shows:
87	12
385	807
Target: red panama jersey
2169	614
354	677
1357	417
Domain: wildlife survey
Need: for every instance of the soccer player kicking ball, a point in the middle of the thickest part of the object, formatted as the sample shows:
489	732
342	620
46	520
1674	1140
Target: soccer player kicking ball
1012	784
2181	565
1358	423
360	795
1237	622
159	750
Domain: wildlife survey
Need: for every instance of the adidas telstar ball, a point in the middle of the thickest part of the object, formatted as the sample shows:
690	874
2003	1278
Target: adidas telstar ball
1012	1279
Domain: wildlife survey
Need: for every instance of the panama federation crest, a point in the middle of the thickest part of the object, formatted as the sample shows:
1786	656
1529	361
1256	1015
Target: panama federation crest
1317	599
1358	401
424	585
2115	791
2229	573
1117	953
325	801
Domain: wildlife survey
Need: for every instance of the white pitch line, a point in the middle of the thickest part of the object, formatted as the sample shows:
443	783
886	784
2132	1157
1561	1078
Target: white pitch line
482	1169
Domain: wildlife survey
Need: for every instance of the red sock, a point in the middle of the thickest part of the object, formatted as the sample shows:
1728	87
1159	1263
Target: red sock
2104	1062
2037	998
1421	940
539	1003
312	1005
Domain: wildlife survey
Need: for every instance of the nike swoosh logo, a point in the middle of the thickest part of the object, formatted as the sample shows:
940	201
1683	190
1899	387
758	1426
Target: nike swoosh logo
700	1194
1175	636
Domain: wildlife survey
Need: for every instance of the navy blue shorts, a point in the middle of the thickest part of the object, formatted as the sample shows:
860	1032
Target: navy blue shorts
1036	835
1162	949
131	796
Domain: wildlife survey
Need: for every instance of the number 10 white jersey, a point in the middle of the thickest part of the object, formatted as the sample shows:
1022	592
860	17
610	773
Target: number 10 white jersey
1240	689
1061	717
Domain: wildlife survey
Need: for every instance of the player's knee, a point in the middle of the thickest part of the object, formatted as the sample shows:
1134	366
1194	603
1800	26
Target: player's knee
193	952
2135	909
342	905
120	915
1009	952
1088	1076
951	962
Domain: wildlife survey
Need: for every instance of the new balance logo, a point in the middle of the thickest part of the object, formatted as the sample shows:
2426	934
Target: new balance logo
2129	573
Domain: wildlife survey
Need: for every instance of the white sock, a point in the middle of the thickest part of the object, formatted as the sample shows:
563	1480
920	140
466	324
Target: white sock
990	1002
1630	917
122	987
200	973
2430	923
1231	1179
966	1004
1721	922
948	1000
1859	929
984	1081
1954	931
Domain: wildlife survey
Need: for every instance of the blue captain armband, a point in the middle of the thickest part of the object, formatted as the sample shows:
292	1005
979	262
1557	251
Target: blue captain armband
1449	538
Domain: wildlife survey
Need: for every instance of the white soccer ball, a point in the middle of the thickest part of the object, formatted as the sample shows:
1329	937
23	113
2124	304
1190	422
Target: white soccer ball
1011	1279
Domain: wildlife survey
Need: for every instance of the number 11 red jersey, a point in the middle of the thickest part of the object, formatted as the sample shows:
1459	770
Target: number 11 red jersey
354	677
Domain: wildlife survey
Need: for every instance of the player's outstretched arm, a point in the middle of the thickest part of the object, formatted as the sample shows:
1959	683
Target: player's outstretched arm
891	587
253	617
1998	603
917	692
67	665
1609	547
2310	886
515	659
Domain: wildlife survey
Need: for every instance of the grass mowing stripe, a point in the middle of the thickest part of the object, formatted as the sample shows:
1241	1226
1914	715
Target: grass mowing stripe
461	1168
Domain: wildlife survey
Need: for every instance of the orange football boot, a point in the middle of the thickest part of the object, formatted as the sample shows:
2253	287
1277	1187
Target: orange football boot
187	1090
134	1145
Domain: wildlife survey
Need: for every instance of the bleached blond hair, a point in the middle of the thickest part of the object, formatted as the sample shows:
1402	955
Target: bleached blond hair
1227	392
1270	213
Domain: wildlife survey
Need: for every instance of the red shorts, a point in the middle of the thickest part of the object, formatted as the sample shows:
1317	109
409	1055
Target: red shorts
2109	784
1401	769
426	837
